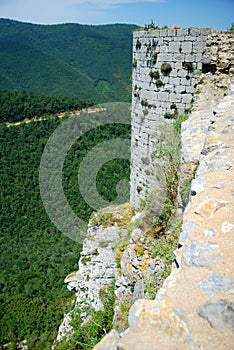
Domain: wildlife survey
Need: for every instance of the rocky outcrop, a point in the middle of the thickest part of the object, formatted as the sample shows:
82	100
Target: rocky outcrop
138	265
195	307
114	251
96	271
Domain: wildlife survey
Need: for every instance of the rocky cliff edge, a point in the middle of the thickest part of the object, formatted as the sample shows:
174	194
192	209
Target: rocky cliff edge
195	307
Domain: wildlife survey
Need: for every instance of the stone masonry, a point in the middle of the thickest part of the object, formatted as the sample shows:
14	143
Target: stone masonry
166	70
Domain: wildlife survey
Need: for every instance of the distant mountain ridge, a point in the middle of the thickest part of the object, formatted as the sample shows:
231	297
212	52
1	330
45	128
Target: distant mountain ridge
84	61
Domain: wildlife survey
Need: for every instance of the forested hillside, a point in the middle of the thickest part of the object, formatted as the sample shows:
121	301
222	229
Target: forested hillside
34	256
83	61
17	106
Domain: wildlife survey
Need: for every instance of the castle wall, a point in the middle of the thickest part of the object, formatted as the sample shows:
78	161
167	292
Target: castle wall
166	71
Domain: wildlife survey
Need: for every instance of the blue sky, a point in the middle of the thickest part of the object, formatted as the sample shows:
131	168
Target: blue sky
217	14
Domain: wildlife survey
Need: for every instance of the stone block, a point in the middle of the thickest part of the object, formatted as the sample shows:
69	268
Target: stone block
179	57
201	254
163	96
175	98
190	89
194	32
164	48
182	32
215	283
164	57
171	32
178	65
190	58
186	98
219	314
182	73
174	81
190	38
163	33
138	34
169	88
173	73
165	80
198	46
185	82
186	47
174	46
180	89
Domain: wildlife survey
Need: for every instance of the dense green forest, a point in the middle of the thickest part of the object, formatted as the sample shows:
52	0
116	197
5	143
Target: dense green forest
82	61
16	106
34	256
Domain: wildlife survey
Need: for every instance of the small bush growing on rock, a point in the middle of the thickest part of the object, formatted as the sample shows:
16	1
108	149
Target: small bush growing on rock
155	57
104	219
85	260
140	250
154	75
134	64
138	44
188	66
159	83
166	68
160	206
139	189
144	103
87	334
168	115
151	26
198	72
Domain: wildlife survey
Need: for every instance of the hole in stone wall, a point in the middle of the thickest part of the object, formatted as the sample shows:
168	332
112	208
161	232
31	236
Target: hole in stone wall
209	68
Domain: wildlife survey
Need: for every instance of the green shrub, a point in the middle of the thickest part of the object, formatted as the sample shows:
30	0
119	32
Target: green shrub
155	57
139	189
154	75
140	250
104	219
85	260
198	72
144	103
160	206
151	26
87	334
188	66
168	115
166	68
159	83
138	44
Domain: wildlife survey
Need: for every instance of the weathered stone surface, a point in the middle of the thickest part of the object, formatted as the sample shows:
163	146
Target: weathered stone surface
200	254
215	283
219	314
187	229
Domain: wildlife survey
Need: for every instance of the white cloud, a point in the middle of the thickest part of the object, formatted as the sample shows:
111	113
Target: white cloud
58	11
